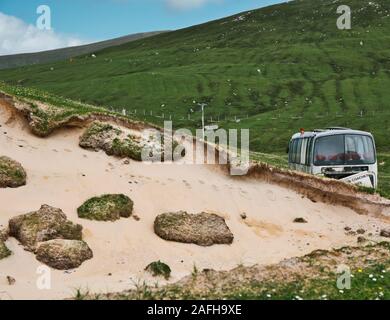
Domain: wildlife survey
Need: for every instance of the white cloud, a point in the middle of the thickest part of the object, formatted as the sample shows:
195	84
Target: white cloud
188	4
16	36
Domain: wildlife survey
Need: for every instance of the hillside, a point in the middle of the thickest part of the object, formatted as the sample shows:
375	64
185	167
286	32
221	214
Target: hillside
272	70
19	60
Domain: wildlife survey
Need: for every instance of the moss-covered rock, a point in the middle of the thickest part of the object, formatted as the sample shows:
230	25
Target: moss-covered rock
117	142
99	136
45	224
159	268
4	251
4	233
109	207
127	147
63	254
12	174
112	140
203	229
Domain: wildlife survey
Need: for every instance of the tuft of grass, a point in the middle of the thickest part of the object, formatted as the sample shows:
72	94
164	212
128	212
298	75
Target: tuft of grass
195	271
81	294
159	268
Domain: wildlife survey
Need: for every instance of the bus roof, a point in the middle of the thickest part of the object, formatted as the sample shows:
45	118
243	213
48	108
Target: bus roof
329	132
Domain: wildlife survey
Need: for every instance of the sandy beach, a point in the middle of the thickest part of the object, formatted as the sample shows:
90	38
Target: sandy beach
63	175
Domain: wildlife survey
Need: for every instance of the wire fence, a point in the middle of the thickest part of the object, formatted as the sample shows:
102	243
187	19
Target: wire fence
280	117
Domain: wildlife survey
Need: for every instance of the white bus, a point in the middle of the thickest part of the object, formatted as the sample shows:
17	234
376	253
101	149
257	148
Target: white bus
338	153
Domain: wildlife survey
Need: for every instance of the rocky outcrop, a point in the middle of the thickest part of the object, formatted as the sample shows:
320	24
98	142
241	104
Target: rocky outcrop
45	224
45	118
203	229
109	207
12	174
64	254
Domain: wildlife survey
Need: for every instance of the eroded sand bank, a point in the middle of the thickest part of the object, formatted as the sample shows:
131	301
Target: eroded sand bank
63	175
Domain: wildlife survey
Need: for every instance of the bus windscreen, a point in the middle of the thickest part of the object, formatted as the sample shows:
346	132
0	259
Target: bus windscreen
344	150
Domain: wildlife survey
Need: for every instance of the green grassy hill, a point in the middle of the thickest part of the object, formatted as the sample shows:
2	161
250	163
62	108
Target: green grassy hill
273	70
23	59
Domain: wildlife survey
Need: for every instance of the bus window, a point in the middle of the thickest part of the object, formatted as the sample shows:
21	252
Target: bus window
329	150
344	150
359	149
294	151
303	151
309	151
298	154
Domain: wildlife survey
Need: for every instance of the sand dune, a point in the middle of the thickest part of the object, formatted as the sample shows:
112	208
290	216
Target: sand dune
63	175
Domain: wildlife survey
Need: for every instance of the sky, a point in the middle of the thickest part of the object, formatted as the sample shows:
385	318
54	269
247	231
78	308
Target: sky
75	22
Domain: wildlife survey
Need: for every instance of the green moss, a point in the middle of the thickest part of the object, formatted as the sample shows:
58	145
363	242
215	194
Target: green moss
109	207
69	230
126	148
4	251
159	268
168	220
43	125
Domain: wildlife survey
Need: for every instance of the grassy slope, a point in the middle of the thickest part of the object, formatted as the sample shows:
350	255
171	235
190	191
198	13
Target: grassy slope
277	69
